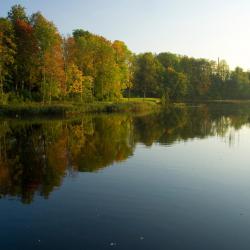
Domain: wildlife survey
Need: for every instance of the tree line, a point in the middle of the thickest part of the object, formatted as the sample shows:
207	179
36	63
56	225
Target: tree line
38	64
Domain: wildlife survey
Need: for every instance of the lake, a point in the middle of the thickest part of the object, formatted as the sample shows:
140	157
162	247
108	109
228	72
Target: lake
176	179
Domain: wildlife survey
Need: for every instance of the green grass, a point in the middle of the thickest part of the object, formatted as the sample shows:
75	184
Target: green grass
113	107
33	109
70	108
134	99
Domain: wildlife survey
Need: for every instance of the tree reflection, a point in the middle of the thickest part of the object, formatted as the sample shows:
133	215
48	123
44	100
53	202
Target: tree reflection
36	156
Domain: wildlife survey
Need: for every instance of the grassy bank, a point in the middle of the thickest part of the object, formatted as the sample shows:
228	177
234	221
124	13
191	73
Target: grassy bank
225	101
70	108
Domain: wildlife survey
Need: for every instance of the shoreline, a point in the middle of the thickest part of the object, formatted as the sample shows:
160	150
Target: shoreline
72	109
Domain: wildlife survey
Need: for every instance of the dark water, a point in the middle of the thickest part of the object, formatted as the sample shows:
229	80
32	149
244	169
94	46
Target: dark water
179	179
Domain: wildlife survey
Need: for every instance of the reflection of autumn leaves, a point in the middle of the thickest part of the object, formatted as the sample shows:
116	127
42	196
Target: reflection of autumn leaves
34	158
121	155
4	175
57	154
77	138
101	144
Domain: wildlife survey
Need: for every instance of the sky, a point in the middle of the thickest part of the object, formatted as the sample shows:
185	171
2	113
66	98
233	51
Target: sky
200	28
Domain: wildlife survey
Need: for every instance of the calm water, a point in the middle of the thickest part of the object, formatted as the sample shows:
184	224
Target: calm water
179	179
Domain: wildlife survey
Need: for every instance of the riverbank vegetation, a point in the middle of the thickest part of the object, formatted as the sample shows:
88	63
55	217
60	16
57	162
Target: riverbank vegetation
69	109
38	65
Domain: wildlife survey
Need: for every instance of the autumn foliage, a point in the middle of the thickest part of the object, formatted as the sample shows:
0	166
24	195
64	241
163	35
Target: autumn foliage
38	64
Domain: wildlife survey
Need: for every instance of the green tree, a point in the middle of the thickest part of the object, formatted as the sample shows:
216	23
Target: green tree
169	60
147	77
175	84
124	60
96	58
51	61
199	74
239	84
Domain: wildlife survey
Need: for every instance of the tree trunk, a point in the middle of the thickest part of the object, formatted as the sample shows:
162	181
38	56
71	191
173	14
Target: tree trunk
50	91
44	80
1	85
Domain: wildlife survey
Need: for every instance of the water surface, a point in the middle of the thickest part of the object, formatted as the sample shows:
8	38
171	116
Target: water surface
179	179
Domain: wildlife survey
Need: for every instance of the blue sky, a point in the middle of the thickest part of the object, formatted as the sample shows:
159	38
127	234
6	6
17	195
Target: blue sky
199	28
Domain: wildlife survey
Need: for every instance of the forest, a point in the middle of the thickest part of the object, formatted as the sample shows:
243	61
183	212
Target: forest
37	64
